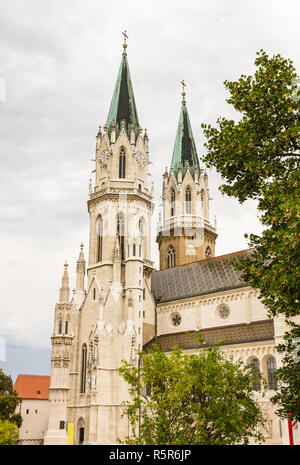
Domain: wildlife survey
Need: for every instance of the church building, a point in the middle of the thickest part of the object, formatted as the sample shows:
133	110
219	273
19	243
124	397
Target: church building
121	302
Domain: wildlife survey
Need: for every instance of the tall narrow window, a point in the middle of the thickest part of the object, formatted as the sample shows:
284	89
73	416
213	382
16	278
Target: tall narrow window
271	366
66	327
60	327
142	231
134	250
188	201
202	201
121	234
256	373
100	238
172	202
83	368
122	164
171	257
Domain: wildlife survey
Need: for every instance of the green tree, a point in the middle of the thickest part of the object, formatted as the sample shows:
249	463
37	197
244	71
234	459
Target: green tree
258	158
9	400
199	398
288	377
8	433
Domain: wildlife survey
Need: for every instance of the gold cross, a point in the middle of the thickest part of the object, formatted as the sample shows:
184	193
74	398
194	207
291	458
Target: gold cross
125	36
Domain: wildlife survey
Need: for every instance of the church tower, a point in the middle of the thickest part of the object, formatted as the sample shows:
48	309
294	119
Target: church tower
114	317
185	233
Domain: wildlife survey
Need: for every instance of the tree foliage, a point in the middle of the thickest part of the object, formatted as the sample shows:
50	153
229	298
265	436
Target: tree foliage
8	433
199	398
258	158
9	401
288	377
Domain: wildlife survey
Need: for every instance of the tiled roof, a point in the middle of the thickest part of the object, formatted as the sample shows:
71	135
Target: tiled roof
232	334
32	386
197	278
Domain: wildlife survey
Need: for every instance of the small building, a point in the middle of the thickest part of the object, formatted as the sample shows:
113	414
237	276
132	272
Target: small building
35	406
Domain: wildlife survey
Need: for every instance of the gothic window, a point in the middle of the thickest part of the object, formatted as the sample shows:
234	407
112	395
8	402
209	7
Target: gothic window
208	253
140	250
271	366
202	201
171	257
100	238
172	202
83	368
142	226
94	294
60	327
188	201
256	373
66	327
122	164
121	234
133	250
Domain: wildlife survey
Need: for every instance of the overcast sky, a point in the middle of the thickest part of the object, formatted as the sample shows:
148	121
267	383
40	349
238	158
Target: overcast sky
58	67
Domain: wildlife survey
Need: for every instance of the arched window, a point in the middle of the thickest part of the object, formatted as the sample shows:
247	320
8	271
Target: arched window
188	201
171	257
60	327
133	250
256	373
83	368
140	250
100	238
94	293
121	234
202	201
172	202
142	226
271	366
208	252
122	164
66	327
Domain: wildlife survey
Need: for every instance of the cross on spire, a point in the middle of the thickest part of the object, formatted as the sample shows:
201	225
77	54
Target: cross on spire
125	36
183	92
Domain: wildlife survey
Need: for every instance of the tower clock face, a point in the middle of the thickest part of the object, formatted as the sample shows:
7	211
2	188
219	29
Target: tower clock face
140	159
103	157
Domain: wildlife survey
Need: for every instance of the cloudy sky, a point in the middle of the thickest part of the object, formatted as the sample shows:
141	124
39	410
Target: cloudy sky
58	66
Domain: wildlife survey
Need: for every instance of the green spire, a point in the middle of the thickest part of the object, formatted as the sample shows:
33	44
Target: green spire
184	149
122	107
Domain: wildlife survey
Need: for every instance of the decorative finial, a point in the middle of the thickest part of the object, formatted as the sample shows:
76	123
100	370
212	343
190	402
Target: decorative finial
183	92
124	44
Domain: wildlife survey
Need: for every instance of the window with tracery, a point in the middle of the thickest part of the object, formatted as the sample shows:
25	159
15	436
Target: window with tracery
172	212
121	234
122	164
271	367
256	373
171	257
188	201
208	252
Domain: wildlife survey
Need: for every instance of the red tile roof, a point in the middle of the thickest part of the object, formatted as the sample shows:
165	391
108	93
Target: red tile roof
32	386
